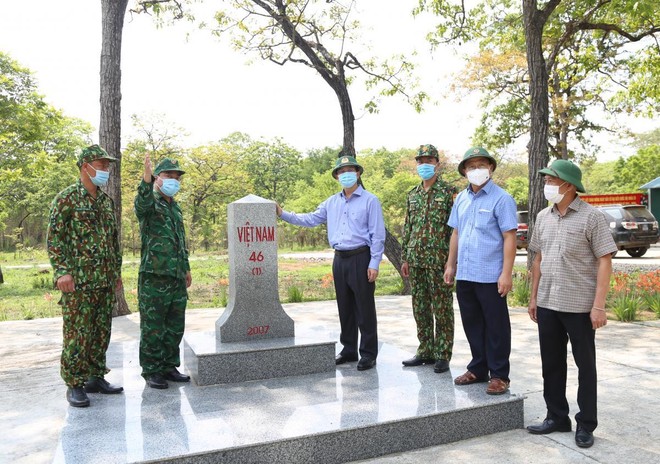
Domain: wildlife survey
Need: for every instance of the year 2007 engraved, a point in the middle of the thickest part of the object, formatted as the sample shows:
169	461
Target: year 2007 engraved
258	330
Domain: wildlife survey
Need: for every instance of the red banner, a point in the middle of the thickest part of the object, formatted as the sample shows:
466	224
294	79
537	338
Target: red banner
616	199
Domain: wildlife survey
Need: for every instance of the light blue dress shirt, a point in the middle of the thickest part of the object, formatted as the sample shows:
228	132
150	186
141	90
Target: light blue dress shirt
352	222
480	220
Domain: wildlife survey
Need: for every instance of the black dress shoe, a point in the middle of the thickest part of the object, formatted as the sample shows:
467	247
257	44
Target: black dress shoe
175	376
441	365
366	363
583	438
550	425
157	381
417	361
344	358
77	397
100	385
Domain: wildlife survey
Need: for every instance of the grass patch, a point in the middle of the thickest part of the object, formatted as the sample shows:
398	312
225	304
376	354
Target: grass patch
28	291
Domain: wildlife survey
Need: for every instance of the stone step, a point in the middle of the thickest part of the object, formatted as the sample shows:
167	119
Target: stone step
329	417
212	362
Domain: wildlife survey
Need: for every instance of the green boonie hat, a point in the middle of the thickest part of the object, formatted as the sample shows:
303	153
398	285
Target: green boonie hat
427	150
475	152
346	161
168	164
92	153
566	171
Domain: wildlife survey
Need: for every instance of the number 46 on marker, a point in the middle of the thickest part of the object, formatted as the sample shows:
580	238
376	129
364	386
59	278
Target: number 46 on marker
256	257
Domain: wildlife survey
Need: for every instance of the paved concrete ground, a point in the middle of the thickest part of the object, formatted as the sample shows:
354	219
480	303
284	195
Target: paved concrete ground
629	378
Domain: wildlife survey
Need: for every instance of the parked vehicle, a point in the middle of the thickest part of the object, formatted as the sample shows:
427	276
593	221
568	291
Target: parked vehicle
521	233
633	227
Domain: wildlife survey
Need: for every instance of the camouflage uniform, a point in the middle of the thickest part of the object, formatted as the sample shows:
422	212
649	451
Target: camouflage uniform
425	249
83	241
162	293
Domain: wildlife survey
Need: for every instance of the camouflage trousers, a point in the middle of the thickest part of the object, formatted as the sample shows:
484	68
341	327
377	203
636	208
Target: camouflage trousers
432	303
86	326
162	301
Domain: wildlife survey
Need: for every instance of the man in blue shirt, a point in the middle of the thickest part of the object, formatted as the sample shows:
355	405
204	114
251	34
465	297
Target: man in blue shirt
356	231
483	244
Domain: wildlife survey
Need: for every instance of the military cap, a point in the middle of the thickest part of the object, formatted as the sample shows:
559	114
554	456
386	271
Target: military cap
566	171
427	150
168	164
92	153
475	152
345	161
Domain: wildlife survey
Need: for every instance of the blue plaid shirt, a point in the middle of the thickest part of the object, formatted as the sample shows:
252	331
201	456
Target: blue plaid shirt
480	220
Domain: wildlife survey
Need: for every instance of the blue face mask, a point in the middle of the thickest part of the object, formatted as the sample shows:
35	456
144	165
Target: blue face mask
101	178
170	187
426	171
348	179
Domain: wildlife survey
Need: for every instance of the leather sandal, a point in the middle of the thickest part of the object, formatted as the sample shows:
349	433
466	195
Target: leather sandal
467	379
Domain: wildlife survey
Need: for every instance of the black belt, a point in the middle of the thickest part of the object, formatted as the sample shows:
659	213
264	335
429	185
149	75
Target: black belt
347	253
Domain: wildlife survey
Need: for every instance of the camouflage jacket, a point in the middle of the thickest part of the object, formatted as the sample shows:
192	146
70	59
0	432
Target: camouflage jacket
83	238
163	236
425	231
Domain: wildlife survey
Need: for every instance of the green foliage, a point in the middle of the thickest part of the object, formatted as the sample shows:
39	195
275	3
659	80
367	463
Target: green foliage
588	55
39	145
521	291
274	167
626	306
638	169
295	295
599	177
652	301
518	188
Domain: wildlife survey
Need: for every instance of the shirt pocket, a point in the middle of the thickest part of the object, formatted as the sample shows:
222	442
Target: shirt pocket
484	219
574	242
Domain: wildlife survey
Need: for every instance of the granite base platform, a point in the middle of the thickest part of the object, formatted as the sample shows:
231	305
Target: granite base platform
211	362
330	417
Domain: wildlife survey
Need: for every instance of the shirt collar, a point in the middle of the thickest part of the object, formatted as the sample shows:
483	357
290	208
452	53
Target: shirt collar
83	191
575	205
358	192
488	186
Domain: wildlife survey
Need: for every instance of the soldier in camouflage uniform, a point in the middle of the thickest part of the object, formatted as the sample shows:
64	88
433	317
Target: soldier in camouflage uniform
83	247
425	249
164	273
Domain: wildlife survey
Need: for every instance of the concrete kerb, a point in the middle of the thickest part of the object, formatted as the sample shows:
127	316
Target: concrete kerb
628	361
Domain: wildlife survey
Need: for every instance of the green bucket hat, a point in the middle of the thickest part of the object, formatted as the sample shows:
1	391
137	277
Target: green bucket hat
427	150
168	164
566	171
475	152
92	153
345	161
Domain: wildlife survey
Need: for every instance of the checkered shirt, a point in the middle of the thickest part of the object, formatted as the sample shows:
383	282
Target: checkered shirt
480	219
570	247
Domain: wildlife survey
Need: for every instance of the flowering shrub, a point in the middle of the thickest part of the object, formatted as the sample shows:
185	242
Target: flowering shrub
632	293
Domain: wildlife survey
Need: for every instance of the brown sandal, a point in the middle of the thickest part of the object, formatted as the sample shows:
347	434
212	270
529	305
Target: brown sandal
467	379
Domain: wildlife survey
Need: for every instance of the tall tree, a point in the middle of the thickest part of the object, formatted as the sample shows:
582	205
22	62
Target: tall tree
595	34
316	34
112	17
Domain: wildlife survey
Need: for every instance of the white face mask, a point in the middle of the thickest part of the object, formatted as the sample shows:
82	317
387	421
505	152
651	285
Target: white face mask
552	194
478	176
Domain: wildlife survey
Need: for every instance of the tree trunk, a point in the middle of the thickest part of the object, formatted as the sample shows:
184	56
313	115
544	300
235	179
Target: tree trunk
537	147
113	12
348	119
392	245
2	279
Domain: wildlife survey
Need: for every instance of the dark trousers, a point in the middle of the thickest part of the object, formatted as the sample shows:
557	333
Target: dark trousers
555	330
485	317
355	301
